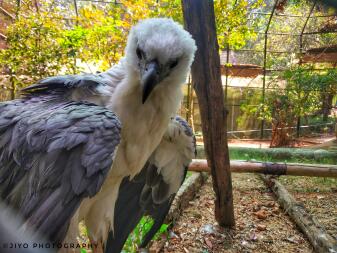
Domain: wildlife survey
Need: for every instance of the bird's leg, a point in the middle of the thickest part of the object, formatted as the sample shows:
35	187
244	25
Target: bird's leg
97	247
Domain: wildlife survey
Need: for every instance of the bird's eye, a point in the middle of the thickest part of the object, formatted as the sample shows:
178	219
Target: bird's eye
139	53
173	64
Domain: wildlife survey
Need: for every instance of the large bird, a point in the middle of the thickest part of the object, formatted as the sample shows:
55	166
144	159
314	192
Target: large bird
68	143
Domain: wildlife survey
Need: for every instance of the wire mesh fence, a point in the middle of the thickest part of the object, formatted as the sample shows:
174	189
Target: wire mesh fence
249	73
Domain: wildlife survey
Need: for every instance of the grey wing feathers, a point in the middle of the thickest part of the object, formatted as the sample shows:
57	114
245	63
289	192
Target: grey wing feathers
128	212
115	74
52	155
132	204
152	191
86	82
11	233
94	88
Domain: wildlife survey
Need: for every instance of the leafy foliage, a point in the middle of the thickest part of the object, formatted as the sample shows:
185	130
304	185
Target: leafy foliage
306	87
108	28
72	43
298	92
42	43
232	22
33	47
137	236
104	39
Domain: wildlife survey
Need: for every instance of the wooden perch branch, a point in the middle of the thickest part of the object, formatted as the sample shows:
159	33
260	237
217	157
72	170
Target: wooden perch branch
3	36
319	238
310	170
7	13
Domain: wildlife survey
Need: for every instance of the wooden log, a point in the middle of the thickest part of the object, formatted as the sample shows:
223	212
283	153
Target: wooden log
2	36
7	13
322	241
293	169
317	156
206	79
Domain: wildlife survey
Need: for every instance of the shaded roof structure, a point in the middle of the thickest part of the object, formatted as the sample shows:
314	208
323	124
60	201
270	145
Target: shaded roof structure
242	70
320	54
233	68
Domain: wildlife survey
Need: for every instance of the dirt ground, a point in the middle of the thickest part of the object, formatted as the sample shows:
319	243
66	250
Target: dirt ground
319	196
261	226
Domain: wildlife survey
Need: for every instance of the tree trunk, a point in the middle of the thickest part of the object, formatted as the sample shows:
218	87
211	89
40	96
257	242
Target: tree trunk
280	135
326	105
206	78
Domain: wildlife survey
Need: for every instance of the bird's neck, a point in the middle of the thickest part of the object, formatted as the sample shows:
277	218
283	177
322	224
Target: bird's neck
126	101
143	125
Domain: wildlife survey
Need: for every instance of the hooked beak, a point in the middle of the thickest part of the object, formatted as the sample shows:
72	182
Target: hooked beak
150	77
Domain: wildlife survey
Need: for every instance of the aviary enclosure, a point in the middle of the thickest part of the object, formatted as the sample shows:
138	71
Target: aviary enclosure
261	98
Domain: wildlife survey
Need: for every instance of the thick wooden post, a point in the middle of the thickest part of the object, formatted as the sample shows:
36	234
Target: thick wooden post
206	79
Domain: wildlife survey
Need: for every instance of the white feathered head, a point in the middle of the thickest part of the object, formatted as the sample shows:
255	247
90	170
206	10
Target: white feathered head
160	51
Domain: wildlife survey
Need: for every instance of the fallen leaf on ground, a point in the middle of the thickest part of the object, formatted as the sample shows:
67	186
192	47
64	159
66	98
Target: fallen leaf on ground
209	243
262	214
292	240
261	227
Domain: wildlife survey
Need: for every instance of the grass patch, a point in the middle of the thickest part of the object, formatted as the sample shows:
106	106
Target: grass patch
289	155
138	234
188	174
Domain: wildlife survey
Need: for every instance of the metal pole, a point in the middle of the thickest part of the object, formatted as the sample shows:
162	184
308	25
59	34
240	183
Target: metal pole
18	5
265	65
298	125
188	98
76	11
227	61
